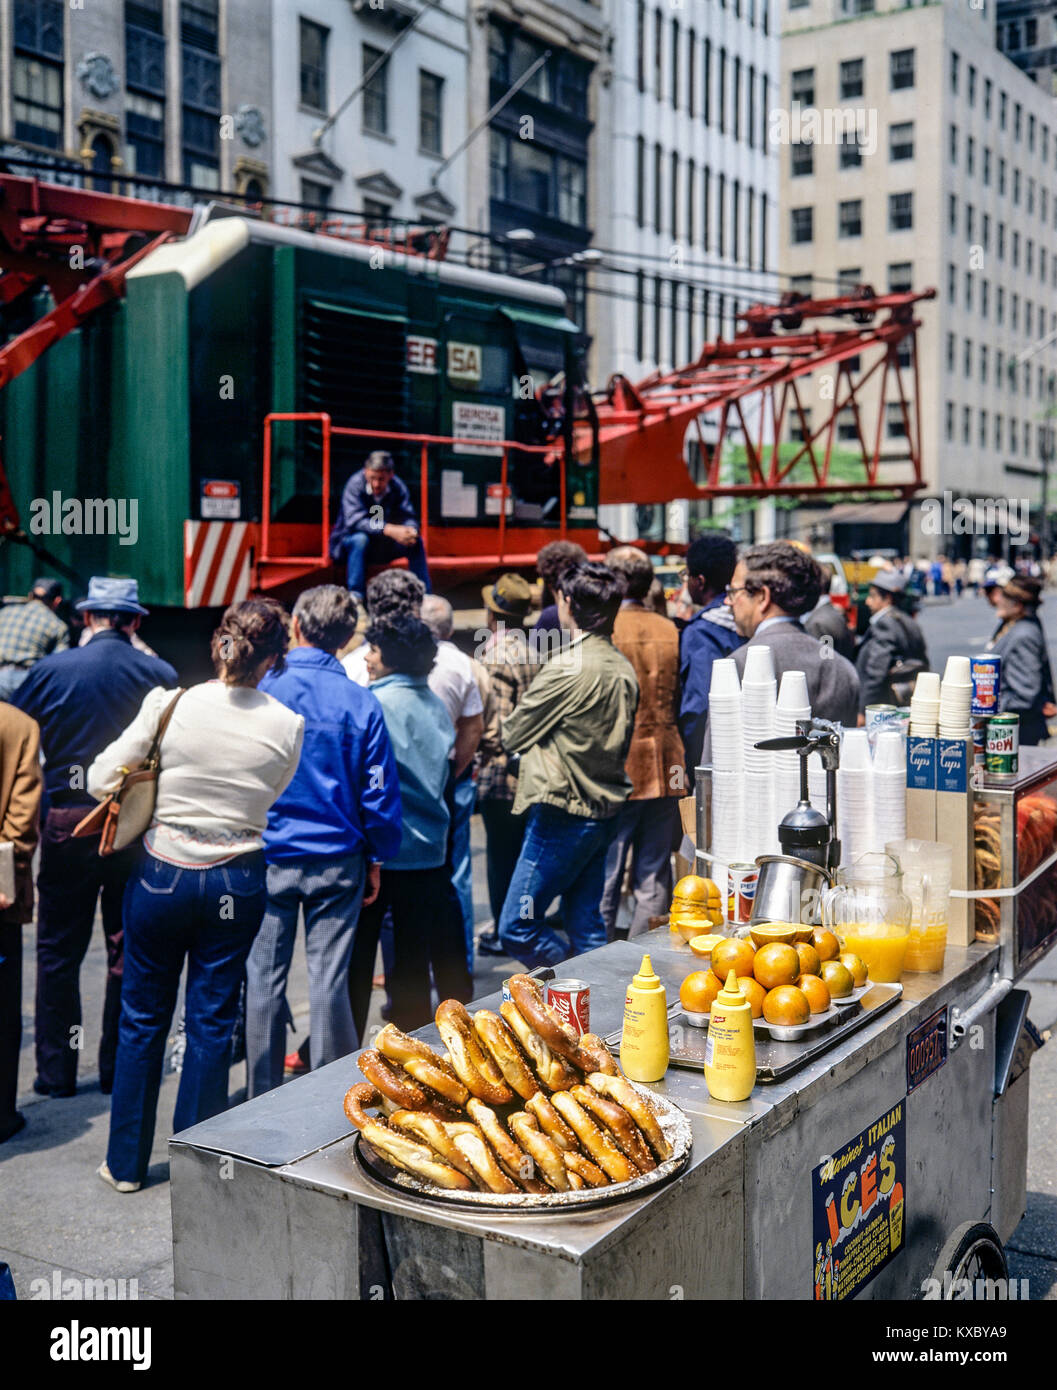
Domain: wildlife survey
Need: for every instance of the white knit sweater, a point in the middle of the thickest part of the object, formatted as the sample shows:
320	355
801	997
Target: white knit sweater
228	753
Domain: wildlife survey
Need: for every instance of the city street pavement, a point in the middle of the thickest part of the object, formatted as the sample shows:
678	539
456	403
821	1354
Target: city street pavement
56	1215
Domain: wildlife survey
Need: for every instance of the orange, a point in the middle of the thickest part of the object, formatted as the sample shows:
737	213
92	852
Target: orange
776	965
704	945
754	992
838	979
856	965
825	943
810	960
787	1005
733	954
698	990
816	991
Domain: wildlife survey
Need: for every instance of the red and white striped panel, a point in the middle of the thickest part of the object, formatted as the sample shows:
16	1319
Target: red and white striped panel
216	562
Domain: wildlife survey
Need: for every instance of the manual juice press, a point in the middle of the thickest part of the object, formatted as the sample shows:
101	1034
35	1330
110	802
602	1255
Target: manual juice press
791	884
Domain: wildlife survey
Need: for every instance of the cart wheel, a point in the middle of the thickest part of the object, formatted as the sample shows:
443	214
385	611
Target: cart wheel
973	1252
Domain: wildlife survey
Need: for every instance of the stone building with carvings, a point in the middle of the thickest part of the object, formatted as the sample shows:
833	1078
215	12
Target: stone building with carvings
168	89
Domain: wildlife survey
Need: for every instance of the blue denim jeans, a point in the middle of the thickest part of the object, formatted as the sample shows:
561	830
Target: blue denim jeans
464	799
361	548
208	917
560	855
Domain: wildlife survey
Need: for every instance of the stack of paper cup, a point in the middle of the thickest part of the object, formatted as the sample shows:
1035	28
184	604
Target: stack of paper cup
854	795
956	697
889	789
759	693
925	705
724	713
793	704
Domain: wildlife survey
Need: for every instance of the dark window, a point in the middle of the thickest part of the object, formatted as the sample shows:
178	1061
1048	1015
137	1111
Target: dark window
802	224
849	218
901	141
430	112
763	231
706	101
640	183
640	49
200	24
675	63
851	79
658	63
674	195
901	68
691	73
145	136
736	99
313	65
750	105
721	215
376	92
316	194
850	153
640	315
802	159
954	72
658	191
37	72
706	219
900	212
722	98
802	83
691	201
900	277
735	219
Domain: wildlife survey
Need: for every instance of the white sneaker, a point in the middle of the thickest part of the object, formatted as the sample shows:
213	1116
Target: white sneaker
107	1176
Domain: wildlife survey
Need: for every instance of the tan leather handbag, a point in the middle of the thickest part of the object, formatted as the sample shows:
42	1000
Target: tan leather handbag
125	814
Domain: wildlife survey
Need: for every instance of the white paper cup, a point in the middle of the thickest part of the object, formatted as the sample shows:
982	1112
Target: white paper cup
759	665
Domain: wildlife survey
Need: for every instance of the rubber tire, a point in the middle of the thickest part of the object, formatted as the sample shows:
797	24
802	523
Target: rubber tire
971	1238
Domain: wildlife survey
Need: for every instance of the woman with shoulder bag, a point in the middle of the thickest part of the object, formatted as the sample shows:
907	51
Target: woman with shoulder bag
227	753
1027	682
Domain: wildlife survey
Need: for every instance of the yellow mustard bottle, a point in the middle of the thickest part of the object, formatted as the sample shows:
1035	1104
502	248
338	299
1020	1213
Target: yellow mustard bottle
730	1048
644	1040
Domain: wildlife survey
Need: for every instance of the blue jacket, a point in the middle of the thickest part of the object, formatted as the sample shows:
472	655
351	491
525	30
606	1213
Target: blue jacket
362	511
82	699
423	736
345	794
707	637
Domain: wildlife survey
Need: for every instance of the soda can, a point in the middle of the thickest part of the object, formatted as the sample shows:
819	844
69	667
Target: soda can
1003	745
508	998
986	671
571	1001
979	742
741	891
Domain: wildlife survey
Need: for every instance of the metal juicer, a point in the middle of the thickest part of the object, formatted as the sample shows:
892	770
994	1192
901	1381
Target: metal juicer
790	884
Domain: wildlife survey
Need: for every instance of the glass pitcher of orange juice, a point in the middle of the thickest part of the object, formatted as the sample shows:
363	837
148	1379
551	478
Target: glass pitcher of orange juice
870	914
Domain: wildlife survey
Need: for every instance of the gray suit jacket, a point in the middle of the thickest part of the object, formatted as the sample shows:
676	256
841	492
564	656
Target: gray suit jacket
831	680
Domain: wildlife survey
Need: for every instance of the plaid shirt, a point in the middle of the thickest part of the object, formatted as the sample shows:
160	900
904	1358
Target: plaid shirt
512	665
29	631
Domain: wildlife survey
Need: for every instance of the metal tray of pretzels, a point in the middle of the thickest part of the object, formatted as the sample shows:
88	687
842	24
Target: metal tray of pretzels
518	1113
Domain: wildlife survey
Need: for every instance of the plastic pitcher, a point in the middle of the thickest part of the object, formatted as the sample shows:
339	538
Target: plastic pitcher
870	914
926	868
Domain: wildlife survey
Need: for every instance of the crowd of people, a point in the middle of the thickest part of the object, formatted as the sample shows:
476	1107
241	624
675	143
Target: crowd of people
329	773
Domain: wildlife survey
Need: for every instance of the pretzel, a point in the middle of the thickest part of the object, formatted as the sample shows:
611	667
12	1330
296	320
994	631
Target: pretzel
619	1123
415	1158
396	1085
473	1148
586	1173
538	1014
641	1110
420	1061
357	1099
554	1071
551	1123
478	1073
595	1141
432	1132
544	1152
594	1050
501	1045
576	1182
516	1163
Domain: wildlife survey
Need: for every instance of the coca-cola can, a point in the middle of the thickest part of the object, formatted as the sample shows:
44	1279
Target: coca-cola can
571	1001
741	891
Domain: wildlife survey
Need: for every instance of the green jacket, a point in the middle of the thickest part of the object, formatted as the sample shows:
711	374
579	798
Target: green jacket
572	728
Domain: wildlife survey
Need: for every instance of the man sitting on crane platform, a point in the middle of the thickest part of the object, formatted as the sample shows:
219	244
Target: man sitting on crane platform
377	524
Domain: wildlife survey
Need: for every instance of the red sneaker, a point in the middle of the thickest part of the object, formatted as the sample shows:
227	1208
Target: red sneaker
294	1065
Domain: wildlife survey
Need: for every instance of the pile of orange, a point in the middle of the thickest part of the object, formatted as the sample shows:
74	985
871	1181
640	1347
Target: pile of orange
783	984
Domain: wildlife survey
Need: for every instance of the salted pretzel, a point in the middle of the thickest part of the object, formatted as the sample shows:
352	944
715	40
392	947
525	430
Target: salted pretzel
551	1123
516	1163
586	1173
421	1062
594	1050
641	1110
474	1068
358	1099
544	1152
554	1071
538	1014
501	1045
397	1085
595	1141
620	1125
431	1131
416	1158
471	1144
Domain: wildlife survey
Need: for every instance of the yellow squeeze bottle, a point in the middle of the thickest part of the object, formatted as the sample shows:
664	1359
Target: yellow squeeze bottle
730	1048
644	1040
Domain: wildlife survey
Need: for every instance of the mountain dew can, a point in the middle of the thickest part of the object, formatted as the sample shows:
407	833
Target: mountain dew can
1003	745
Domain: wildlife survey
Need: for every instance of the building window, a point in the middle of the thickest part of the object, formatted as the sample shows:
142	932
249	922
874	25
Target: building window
972	85
538	180
948	421
982	432
145	136
658	77
900	212
998	430
750	106
901	69
952	284
691	201
848	280
1016	188
803	86
970	221
706	96
895	425
849	218
847	430
802	225
499	166
987	166
37	72
315	194
722	95
970	155
1000	305
951	341
967	358
953	144
640	51
675	64
900	278
954	72
803	160
1002	176
1018	116
572	191
706	197
850	156
640	315
640	182
674	195
314	65
430	109
691	74
987	231
985	297
968	289
952	212
658	182
200	24
376	92
800	425
735	219
201	93
721	215
988	89
736	99
967	424
1003	110
901	141
851	79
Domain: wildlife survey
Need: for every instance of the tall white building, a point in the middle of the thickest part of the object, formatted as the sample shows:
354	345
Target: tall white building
380	155
955	188
690	213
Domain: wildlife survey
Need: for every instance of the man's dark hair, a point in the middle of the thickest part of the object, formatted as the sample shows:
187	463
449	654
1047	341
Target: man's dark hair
634	568
554	559
327	615
394	591
381	458
594	593
712	557
405	643
793	577
119	620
